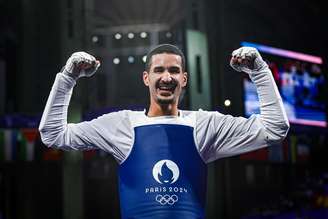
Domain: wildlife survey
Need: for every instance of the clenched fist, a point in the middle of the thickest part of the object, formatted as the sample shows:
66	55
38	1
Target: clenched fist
81	64
247	59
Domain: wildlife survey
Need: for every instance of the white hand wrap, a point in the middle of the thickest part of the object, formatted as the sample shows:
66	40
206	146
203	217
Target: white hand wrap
251	55
73	65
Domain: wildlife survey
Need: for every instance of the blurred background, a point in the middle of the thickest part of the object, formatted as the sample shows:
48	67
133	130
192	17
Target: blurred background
36	38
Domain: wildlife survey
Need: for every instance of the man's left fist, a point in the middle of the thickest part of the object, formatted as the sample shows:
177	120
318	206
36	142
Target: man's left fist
247	59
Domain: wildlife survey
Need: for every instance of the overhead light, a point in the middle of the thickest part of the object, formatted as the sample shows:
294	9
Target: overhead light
144	58
131	59
95	39
116	61
227	102
143	35
130	35
118	36
168	34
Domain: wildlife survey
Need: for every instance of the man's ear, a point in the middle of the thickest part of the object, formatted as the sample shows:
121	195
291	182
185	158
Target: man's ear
185	79
145	78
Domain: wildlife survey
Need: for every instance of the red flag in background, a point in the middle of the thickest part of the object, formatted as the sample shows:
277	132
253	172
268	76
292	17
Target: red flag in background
260	154
30	135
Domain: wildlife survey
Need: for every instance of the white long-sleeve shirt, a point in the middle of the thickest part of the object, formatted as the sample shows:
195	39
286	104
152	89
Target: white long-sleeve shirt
215	135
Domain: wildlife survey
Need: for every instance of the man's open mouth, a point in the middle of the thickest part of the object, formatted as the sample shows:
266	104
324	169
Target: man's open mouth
167	88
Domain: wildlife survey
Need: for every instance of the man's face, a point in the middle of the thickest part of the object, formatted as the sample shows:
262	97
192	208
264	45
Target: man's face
165	78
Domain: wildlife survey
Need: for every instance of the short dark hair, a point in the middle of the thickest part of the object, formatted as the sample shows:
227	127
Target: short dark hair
165	48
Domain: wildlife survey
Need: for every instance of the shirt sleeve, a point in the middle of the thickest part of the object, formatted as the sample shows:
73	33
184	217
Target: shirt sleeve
219	135
110	132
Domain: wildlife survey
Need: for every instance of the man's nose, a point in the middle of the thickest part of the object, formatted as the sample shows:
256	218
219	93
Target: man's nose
167	77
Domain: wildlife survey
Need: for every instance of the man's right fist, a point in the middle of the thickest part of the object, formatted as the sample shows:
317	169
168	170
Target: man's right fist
247	59
81	64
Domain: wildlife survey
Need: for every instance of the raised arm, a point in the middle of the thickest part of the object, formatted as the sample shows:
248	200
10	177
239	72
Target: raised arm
53	127
273	115
226	135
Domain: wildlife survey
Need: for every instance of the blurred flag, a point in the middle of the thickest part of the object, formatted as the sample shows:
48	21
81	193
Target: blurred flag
51	154
285	150
30	136
276	153
7	144
21	146
9	139
89	154
260	154
303	152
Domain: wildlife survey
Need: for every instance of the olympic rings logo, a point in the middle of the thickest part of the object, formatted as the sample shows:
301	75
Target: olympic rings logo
167	199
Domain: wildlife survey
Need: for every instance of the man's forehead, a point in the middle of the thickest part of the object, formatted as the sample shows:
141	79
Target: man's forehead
166	58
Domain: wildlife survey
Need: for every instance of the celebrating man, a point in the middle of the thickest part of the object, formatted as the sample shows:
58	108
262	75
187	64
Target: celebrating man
163	151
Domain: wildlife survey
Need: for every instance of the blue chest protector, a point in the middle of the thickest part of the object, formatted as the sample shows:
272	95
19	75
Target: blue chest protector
164	175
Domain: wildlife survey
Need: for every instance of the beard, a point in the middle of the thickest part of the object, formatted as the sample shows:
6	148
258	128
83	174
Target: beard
163	99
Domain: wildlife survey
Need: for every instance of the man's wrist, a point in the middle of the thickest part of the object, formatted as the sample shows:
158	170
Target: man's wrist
260	64
65	72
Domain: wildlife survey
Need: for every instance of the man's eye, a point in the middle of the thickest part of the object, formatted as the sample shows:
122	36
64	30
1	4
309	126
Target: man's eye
174	70
158	69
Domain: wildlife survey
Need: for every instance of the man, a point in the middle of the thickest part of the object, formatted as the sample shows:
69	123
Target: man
163	152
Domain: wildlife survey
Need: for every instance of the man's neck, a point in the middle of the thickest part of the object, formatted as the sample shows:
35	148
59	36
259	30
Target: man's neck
163	110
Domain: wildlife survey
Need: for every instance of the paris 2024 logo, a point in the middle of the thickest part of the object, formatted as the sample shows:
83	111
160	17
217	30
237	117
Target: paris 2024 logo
166	173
